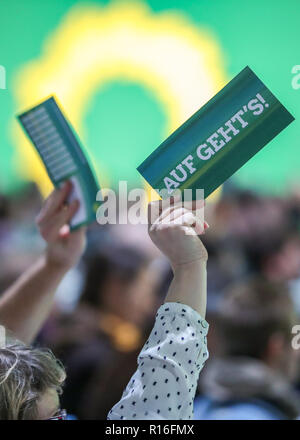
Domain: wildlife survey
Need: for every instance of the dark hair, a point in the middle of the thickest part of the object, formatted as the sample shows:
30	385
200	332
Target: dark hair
262	246
250	313
121	262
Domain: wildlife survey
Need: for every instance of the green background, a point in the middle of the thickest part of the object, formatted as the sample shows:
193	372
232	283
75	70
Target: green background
261	34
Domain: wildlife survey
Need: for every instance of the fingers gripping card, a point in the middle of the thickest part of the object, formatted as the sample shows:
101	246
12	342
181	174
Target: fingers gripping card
218	139
62	156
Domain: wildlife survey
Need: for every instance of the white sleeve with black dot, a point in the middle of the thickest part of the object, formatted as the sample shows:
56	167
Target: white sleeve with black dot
164	385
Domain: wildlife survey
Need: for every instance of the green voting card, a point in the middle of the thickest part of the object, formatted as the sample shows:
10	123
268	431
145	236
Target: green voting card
218	139
62	156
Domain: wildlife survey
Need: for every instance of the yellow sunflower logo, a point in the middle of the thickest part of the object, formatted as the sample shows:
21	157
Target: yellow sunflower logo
93	45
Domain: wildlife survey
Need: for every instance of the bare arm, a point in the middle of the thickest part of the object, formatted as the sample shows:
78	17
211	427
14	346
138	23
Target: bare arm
175	230
27	303
189	286
165	382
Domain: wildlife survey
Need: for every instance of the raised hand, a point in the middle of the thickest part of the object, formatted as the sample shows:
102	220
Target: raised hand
174	228
64	248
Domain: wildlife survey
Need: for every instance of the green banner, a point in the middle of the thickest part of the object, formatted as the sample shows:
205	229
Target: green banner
129	73
219	138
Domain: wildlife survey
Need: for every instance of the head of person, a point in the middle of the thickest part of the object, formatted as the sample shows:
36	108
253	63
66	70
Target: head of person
30	383
274	254
119	280
268	233
255	320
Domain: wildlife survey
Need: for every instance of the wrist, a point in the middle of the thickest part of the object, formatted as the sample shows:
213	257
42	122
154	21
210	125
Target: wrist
195	267
52	265
189	285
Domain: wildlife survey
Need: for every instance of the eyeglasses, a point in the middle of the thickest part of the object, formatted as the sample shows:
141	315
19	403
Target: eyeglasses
60	415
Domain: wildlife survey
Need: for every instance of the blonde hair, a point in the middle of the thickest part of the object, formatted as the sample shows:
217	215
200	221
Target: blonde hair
25	374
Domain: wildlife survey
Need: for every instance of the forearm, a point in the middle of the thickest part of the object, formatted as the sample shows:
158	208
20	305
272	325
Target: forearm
189	286
26	304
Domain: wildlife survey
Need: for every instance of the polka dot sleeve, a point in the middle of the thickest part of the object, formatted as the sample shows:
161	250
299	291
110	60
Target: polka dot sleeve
164	385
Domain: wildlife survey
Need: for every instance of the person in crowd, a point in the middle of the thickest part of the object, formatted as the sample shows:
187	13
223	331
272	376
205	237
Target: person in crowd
109	326
251	378
112	379
267	231
164	385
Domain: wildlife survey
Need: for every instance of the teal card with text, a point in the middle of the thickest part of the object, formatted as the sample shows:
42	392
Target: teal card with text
63	156
218	139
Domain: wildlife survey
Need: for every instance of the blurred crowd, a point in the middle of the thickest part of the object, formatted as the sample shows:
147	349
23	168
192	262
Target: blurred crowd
105	307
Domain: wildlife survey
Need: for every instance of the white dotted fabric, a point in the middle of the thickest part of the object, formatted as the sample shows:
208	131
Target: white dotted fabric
164	385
